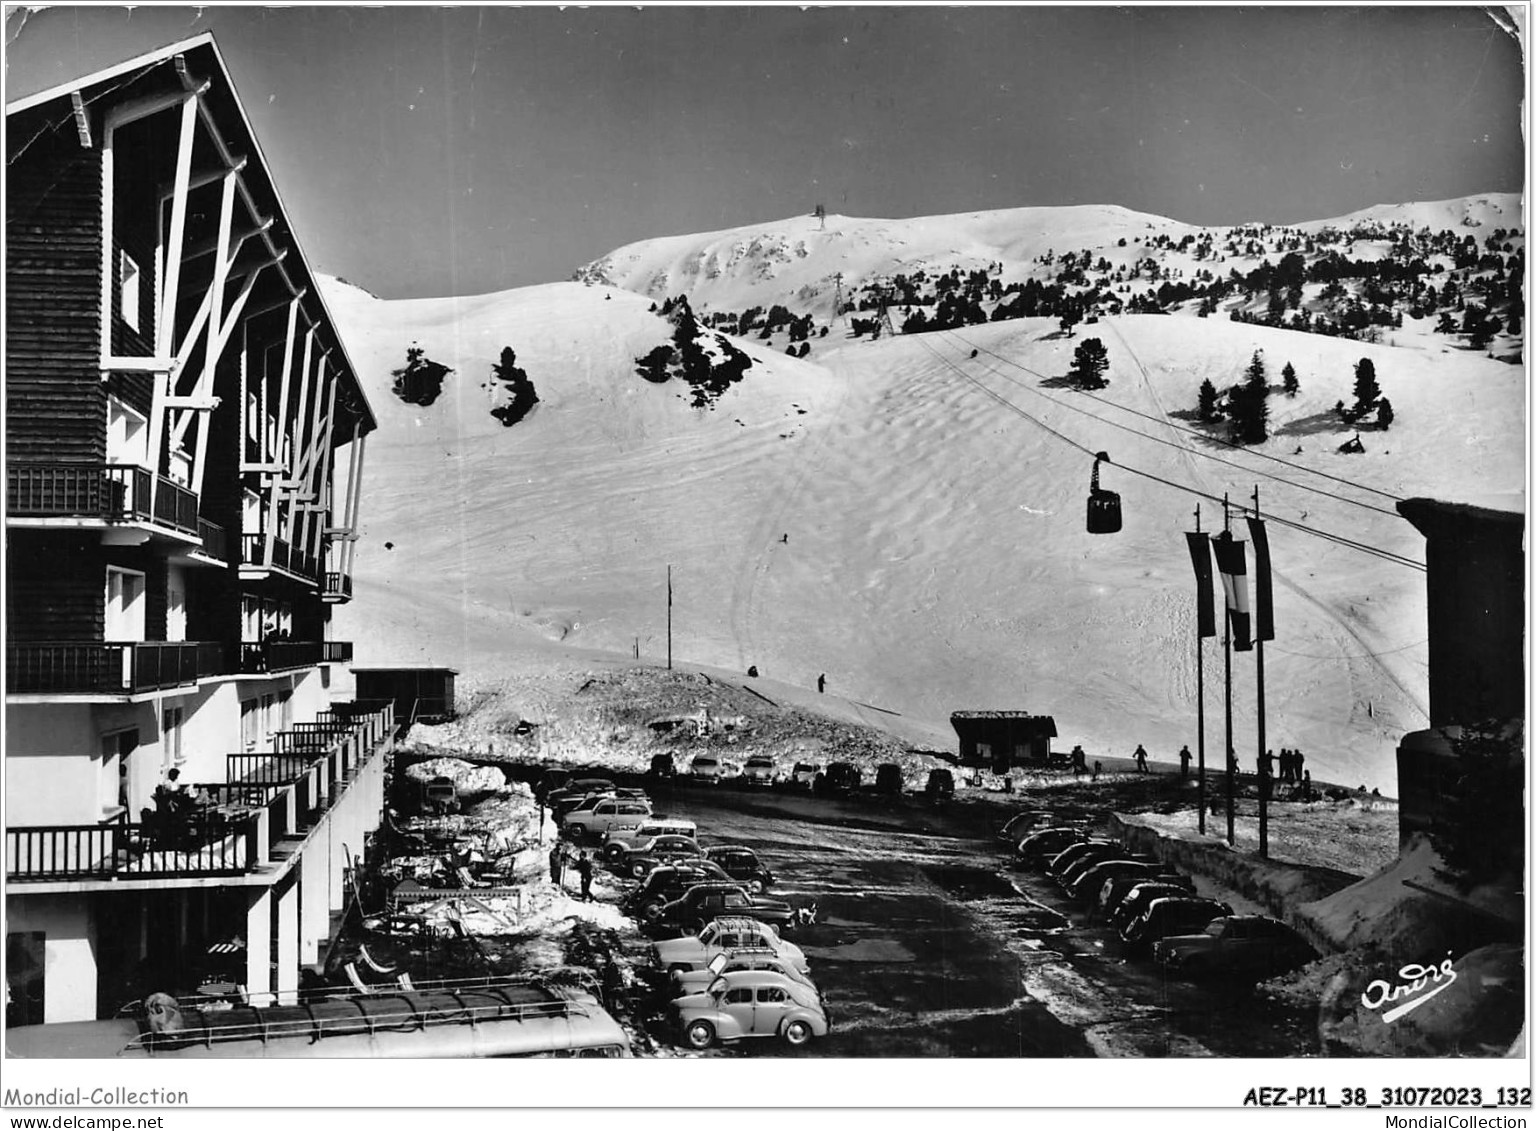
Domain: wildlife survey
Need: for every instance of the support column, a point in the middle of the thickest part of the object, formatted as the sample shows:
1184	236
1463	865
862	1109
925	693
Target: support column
258	942
314	909
288	945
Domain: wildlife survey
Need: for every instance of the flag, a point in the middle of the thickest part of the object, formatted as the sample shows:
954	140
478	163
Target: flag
1234	579
1205	607
1263	590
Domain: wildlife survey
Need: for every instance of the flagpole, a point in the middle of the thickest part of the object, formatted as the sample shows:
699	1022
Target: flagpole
669	618
1226	651
1200	698
1264	766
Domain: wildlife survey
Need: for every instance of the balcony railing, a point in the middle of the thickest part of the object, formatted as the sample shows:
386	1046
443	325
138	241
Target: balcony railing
338	587
207	844
109	669
215	540
279	655
336	651
285	556
110	492
267	797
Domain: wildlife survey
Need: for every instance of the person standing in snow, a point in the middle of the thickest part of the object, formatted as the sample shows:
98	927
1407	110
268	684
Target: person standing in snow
1184	757
584	866
556	864
1141	759
821	683
1296	763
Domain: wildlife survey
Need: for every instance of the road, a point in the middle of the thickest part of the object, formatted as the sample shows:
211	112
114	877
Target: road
929	942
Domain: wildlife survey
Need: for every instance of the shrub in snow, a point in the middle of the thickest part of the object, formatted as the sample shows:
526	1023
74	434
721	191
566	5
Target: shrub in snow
516	385
1089	361
420	381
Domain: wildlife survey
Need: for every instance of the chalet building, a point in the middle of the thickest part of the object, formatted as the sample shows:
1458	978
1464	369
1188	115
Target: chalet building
185	437
1001	740
1476	589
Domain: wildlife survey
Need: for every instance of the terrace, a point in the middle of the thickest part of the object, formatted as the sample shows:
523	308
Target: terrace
110	669
106	493
241	825
287	557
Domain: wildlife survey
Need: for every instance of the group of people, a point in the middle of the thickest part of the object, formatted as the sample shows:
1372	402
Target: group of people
175	806
559	858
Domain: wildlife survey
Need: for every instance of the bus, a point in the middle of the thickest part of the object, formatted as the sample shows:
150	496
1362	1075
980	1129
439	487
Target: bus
474	1018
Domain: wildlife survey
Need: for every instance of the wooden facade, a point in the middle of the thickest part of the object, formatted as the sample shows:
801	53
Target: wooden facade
423	693
1003	739
177	393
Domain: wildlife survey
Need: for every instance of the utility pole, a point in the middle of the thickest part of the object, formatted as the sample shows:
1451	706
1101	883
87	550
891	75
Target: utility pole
837	299
669	618
883	315
1264	765
1200	694
1226	650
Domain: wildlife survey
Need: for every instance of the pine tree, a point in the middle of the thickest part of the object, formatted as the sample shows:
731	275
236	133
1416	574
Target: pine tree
1384	414
1367	392
1206	407
1288	380
1089	361
1249	402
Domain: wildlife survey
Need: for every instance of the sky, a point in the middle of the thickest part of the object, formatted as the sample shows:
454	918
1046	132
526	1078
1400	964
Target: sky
464	150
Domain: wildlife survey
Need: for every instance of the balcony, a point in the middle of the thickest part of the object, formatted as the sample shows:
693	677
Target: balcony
215	540
206	845
105	492
289	558
109	669
337	588
268	798
336	651
279	656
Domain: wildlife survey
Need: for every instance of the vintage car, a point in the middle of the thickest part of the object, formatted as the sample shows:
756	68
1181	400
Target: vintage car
658	850
840	780
721	936
1140	897
703	902
743	958
620	841
1113	891
750	1003
804	775
709	768
941	785
610	814
664	884
741	864
1042	844
1074	854
760	770
1084	881
1171	915
1242	946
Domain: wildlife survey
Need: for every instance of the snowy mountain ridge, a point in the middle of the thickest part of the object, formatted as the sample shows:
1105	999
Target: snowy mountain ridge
906	514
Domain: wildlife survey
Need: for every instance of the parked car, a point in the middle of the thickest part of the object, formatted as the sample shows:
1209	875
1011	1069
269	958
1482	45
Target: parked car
760	771
706	901
620	841
1141	895
1037	847
440	795
743	958
561	801
707	767
1085	882
940	787
663	766
1113	891
1083	849
841	779
742	865
608	815
1171	915
721	936
751	1003
549	781
658	850
804	775
1018	825
664	884
1069	876
1247	946
889	780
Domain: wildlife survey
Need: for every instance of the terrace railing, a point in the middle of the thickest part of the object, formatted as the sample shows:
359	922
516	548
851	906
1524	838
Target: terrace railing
285	556
109	669
110	492
205	844
215	540
336	651
279	655
338	587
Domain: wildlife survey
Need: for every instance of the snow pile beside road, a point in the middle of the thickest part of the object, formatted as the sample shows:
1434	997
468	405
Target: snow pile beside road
468	780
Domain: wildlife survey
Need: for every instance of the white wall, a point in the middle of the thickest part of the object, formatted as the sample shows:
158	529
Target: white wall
53	768
69	963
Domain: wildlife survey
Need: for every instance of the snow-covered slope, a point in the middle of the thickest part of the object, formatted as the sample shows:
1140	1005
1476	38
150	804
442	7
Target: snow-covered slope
936	558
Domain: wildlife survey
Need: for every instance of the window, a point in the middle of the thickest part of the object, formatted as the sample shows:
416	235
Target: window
128	299
25	966
248	733
268	717
175	604
738	996
771	994
170	737
733	899
285	710
127	434
125	605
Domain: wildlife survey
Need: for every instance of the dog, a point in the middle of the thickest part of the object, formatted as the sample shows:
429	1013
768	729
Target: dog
803	916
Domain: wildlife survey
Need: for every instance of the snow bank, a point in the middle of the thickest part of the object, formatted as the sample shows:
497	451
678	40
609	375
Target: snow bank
468	779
